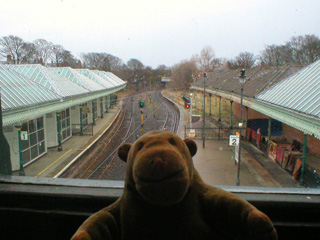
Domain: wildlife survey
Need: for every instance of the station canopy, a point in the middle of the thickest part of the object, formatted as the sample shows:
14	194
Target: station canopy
299	92
95	77
49	79
18	91
78	78
116	81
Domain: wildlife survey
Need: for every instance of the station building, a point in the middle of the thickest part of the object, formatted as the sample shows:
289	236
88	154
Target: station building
43	107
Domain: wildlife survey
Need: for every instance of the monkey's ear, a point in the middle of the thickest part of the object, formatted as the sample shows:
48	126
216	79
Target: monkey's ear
123	151
191	145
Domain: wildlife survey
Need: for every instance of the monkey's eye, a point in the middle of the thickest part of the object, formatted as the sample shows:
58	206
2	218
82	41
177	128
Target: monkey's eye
140	146
172	142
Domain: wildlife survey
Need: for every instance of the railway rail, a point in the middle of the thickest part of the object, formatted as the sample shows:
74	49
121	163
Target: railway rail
101	160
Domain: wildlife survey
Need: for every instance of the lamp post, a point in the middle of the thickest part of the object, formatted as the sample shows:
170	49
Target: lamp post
204	111
59	131
190	116
242	80
21	170
81	126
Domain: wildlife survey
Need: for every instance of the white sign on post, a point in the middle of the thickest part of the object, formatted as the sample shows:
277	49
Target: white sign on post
24	135
234	140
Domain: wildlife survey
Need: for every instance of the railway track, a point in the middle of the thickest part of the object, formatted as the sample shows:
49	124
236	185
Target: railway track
102	161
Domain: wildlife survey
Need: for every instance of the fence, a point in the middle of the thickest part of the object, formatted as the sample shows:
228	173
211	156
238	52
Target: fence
311	177
215	133
87	129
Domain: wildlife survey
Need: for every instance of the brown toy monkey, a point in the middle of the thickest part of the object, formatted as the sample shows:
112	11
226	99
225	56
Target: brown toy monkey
165	198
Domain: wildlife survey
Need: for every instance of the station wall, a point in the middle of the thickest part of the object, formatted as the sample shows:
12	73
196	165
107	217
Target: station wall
11	135
290	133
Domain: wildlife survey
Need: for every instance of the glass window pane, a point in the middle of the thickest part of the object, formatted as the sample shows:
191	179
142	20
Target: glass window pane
41	135
67	112
34	152
42	147
40	123
33	139
32	126
64	134
63	124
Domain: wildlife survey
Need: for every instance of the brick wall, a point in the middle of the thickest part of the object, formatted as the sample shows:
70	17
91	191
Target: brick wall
290	133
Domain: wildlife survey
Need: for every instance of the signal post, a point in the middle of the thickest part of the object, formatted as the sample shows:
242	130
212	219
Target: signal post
141	106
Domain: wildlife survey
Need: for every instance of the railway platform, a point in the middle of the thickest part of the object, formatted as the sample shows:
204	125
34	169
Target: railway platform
52	163
215	162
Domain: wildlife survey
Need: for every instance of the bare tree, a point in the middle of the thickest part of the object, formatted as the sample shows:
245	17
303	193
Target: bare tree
135	68
12	45
101	61
43	50
68	60
183	73
206	59
28	53
57	55
243	60
299	50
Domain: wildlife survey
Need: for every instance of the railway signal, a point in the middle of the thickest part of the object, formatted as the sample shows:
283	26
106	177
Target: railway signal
187	105
141	104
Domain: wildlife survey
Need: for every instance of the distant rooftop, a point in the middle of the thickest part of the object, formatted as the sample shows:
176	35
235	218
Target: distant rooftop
165	79
258	79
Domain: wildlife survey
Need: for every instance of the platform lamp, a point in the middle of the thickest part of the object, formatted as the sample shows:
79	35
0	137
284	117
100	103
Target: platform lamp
190	116
204	111
59	131
242	80
21	170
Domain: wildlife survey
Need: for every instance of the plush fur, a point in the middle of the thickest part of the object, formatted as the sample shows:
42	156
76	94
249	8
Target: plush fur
165	198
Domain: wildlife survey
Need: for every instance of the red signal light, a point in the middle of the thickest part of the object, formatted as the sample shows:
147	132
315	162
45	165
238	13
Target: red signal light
187	105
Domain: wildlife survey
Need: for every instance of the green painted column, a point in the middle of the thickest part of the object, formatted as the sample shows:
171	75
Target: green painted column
81	127
59	131
21	170
269	134
107	103
304	158
219	119
94	102
246	124
101	107
210	95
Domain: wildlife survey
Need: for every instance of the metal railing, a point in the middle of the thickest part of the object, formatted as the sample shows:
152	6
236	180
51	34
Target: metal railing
87	129
215	133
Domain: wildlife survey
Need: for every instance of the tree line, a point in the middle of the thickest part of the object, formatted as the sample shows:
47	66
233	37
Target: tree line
298	50
41	51
302	50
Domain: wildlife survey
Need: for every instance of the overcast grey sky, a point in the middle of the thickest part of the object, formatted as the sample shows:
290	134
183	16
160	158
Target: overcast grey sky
160	32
